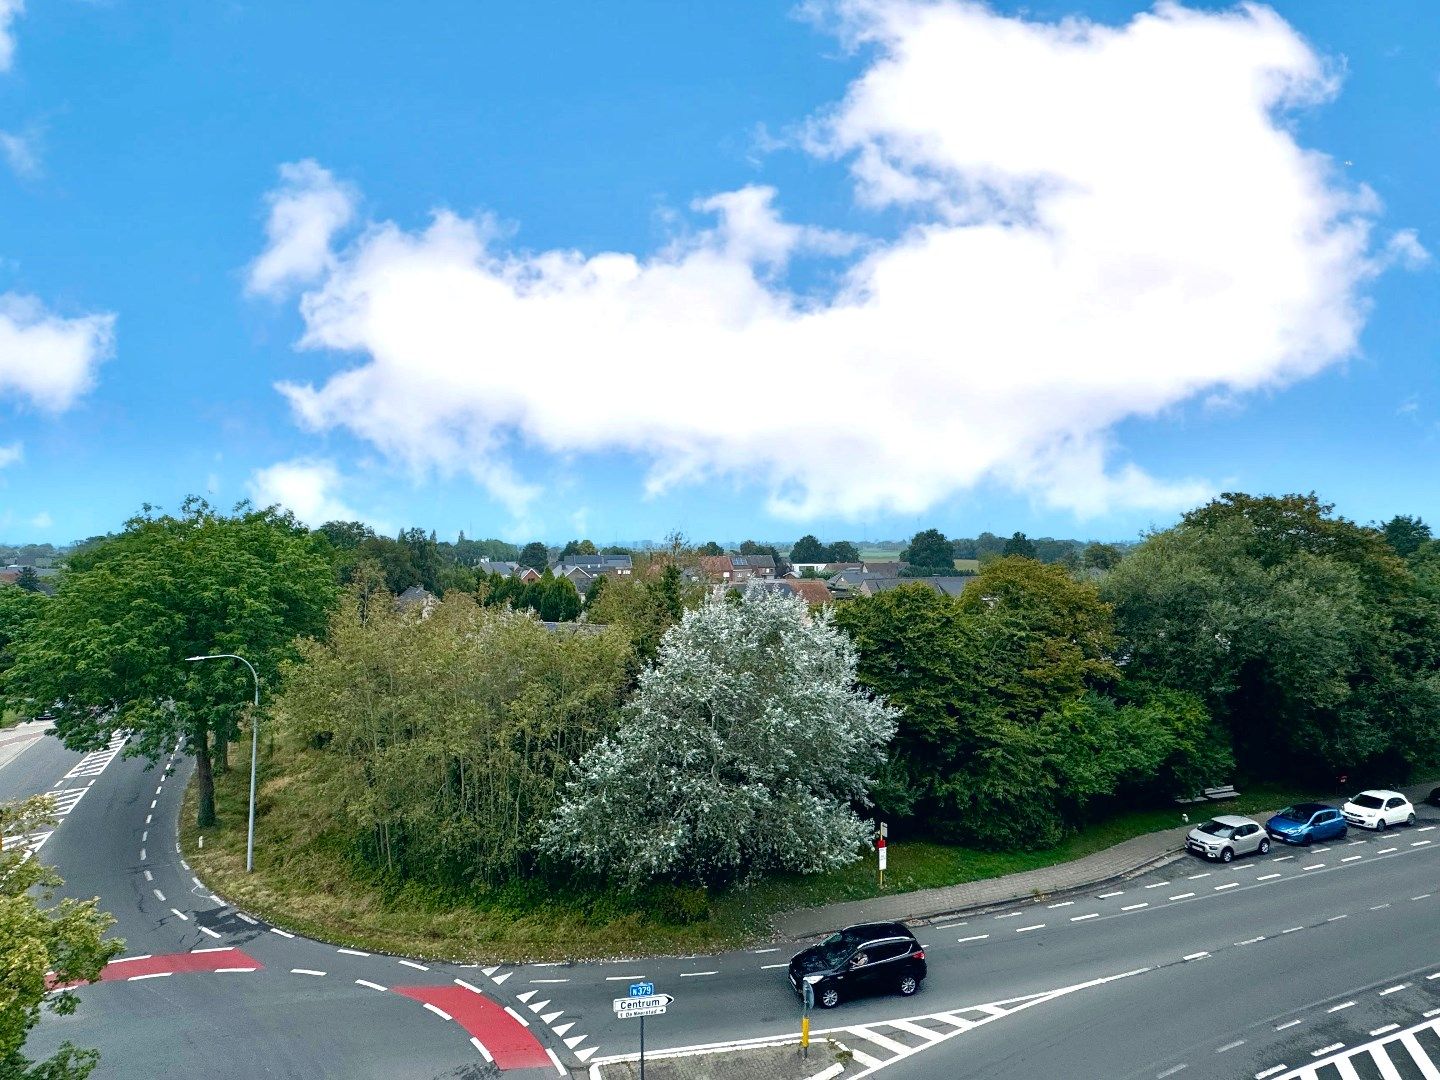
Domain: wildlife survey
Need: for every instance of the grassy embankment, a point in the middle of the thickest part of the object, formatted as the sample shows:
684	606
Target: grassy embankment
9	718
305	880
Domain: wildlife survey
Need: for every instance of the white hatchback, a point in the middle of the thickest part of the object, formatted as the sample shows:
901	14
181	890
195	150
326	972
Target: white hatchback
1378	809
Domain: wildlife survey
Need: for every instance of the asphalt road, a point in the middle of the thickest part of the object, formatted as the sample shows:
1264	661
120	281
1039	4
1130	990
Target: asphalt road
1227	972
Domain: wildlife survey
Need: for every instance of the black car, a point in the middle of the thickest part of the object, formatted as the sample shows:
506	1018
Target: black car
869	958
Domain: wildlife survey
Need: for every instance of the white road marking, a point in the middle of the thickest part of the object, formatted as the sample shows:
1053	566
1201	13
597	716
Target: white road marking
1065	903
144	836
481	1047
142	854
1082	918
127	959
1422	896
1270	1072
1267	877
367	982
1327	1049
1337	918
517	1016
1425	828
1292	930
1377	907
1386	1028
222	948
1313	866
1133	907
437	1011
1107	895
758	952
771	967
1197	956
947	926
1010	915
1023	929
305	971
282	933
696	974
1182	896
1157	885
880	1040
1282	858
412	964
1386	850
1395	989
567	980
558	1067
1197	877
560	1029
352	952
208	931
1435	976
149	876
238	971
1231	885
1351	858
159	895
1342	1005
1230	1046
180	915
974	937
1170	1071
152	975
1420	843
1251	941
469	986
247	918
625	978
539	1006
1288	1024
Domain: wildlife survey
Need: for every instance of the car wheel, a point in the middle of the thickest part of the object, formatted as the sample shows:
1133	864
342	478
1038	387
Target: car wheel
908	985
1307	840
1380	825
1344	832
1410	820
1264	847
1226	855
828	997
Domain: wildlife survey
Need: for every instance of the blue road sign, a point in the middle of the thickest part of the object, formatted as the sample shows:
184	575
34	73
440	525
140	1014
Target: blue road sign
642	989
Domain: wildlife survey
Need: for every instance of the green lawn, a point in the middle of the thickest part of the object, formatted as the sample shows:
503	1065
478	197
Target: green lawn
306	881
9	718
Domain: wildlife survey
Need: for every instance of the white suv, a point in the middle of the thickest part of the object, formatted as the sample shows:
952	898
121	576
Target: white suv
1377	809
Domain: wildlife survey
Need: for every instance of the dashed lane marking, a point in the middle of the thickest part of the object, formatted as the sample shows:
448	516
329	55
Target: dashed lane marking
180	914
1024	929
696	974
1313	866
1293	930
1082	918
567	980
413	964
1157	885
1197	877
1182	896
367	982
1270	1072
1229	1046
1267	877
1385	1030
1337	918
1282	858
1251	941
1288	1024
282	933
1351	858
625	978
469	986
1395	989
1196	956
1010	915
1342	1005
1108	895
1327	1049
159	895
517	1016
305	971
1230	885
769	967
438	1011
206	930
352	952
1170	1071
1386	850
1134	907
972	937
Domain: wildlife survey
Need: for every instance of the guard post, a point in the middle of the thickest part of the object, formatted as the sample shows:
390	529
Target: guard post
880	850
807	1002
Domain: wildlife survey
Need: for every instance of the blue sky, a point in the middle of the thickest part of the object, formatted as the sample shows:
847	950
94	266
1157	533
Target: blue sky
874	267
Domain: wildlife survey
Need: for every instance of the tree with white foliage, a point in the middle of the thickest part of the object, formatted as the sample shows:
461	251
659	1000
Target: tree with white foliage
744	749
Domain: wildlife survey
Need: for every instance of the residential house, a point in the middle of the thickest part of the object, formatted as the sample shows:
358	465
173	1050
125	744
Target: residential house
755	566
417	596
811	590
720	569
885	569
872	584
621	565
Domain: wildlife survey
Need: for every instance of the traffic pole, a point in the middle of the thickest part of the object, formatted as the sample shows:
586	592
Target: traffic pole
642	1046
880	851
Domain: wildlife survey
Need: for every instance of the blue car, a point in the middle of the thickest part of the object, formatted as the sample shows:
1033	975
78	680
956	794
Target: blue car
1305	823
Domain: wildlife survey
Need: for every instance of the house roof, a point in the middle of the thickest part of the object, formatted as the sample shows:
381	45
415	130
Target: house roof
415	594
811	590
891	568
717	565
947	586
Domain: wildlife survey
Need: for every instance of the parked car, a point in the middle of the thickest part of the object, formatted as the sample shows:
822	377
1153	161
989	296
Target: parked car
868	958
1304	823
1226	836
1434	797
1378	809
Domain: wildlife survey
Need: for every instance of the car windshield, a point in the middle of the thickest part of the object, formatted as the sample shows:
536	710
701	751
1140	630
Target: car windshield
1217	828
1370	802
836	948
1302	812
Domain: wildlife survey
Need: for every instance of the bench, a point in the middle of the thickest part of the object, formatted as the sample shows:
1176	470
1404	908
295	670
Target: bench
1212	794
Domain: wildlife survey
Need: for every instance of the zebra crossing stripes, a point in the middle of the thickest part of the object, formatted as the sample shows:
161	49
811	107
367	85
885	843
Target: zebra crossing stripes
1400	1054
31	842
66	799
94	763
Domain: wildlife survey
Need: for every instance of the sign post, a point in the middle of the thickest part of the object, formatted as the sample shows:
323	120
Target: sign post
880	850
807	1002
642	1002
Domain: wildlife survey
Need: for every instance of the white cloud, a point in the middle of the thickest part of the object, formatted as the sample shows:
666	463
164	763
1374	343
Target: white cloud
307	487
1107	222
42	520
11	454
10	10
49	359
20	154
306	211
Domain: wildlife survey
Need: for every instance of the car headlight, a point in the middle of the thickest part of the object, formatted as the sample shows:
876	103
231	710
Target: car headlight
813	979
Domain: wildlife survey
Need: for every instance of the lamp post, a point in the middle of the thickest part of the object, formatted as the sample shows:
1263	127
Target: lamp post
254	750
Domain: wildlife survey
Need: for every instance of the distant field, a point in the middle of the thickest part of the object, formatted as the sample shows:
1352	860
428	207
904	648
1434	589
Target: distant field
968	564
879	554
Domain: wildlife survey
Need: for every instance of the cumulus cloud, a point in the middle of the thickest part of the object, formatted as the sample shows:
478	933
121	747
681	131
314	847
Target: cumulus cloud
42	520
306	211
46	358
1104	223
10	455
20	154
309	488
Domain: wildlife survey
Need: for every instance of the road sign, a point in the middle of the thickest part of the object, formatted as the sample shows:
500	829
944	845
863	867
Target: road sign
628	1008
642	989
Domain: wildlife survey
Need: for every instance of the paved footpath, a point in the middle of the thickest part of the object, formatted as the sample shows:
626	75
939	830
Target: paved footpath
1126	859
19	738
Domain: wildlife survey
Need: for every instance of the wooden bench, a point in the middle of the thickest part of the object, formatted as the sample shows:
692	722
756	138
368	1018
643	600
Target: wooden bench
1212	794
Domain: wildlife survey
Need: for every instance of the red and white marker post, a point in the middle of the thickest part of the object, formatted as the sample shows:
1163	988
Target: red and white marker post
880	850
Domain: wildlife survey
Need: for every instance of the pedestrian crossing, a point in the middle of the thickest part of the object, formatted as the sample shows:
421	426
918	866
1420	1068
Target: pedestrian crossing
1400	1055
65	799
94	763
31	842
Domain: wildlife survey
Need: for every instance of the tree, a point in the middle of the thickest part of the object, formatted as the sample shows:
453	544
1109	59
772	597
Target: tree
577	547
710	547
930	551
1019	544
844	551
45	943
1406	534
1097	556
28	579
1305	635
645	606
742	751
808	549
18	609
535	555
442	743
111	644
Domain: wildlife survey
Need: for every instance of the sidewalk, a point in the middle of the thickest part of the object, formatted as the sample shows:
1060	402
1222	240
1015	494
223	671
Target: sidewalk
1133	856
16	739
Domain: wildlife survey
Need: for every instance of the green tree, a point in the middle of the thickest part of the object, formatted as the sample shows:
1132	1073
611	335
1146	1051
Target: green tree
1019	544
28	580
535	555
442	743
645	606
743	750
710	547
1097	556
18	609
43	940
809	549
844	551
111	644
929	551
578	547
1406	535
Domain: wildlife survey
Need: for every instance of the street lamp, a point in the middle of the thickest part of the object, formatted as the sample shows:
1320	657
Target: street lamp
254	744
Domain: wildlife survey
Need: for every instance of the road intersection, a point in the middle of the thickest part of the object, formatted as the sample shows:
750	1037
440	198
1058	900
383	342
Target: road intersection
1217	961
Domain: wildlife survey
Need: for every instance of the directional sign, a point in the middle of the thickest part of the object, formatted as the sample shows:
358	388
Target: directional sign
627	1008
642	989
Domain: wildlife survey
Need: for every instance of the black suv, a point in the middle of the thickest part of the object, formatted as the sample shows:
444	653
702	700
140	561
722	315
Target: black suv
869	958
